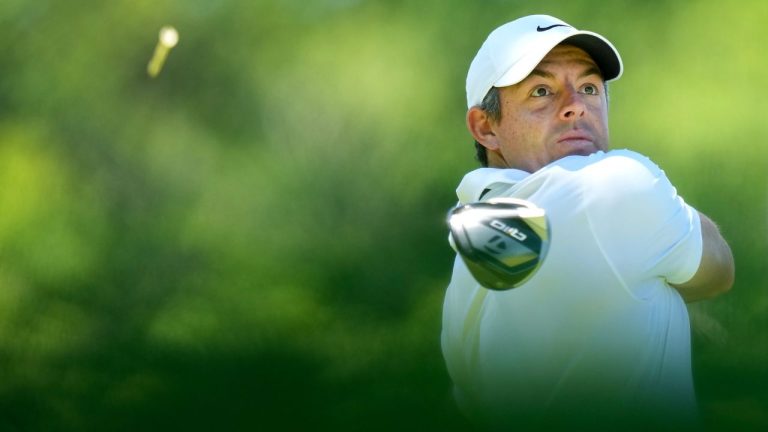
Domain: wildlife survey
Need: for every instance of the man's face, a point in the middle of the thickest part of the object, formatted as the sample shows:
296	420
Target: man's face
560	109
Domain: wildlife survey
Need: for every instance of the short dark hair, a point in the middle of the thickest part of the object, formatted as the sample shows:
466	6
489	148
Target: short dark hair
491	104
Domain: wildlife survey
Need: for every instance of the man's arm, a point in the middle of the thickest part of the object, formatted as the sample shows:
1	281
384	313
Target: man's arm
716	270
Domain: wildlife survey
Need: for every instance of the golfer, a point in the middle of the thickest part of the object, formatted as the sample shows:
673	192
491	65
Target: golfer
600	335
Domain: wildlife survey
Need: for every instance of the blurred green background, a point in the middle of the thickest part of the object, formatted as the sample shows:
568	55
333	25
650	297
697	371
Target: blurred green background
254	240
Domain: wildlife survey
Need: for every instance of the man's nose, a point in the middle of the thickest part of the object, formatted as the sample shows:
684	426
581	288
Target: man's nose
573	106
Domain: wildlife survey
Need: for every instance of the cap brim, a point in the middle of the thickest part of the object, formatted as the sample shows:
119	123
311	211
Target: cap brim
602	52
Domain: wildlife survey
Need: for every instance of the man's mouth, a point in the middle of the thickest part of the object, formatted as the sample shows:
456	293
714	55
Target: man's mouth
574	136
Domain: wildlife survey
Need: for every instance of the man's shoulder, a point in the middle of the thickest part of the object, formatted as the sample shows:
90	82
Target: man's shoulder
615	169
612	169
611	160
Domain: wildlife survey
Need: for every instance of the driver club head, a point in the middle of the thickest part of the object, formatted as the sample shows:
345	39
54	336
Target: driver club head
503	241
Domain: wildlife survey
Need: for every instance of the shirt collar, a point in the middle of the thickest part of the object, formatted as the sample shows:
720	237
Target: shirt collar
475	182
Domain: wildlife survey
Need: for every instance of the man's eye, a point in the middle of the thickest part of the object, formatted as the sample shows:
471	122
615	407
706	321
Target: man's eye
540	91
589	89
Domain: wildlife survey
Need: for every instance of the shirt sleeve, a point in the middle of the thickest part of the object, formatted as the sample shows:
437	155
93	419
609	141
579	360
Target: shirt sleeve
645	229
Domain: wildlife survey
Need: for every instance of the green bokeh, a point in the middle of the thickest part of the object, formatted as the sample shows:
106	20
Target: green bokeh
254	239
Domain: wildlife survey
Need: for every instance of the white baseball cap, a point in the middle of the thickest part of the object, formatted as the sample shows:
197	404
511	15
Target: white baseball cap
513	50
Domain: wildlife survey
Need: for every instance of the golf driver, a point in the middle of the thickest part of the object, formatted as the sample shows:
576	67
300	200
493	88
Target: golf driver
503	241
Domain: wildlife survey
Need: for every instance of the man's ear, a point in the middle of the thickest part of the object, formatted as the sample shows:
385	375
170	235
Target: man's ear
480	125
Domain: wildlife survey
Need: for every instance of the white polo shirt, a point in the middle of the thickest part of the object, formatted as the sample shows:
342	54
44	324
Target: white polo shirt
597	329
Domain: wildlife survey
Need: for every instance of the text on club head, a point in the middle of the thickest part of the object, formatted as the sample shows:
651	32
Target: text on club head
511	231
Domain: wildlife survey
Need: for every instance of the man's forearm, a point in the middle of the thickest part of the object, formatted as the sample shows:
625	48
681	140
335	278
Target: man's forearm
716	270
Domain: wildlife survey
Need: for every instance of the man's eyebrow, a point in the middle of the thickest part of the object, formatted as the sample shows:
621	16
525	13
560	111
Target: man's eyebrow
591	69
540	73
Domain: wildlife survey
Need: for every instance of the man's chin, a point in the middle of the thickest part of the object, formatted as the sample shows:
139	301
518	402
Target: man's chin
581	151
578	148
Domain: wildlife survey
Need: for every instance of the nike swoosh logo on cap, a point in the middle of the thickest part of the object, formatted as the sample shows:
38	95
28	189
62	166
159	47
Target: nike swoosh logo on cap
541	29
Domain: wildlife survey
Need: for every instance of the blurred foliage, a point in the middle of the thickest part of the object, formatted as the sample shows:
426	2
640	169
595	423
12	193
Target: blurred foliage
254	240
